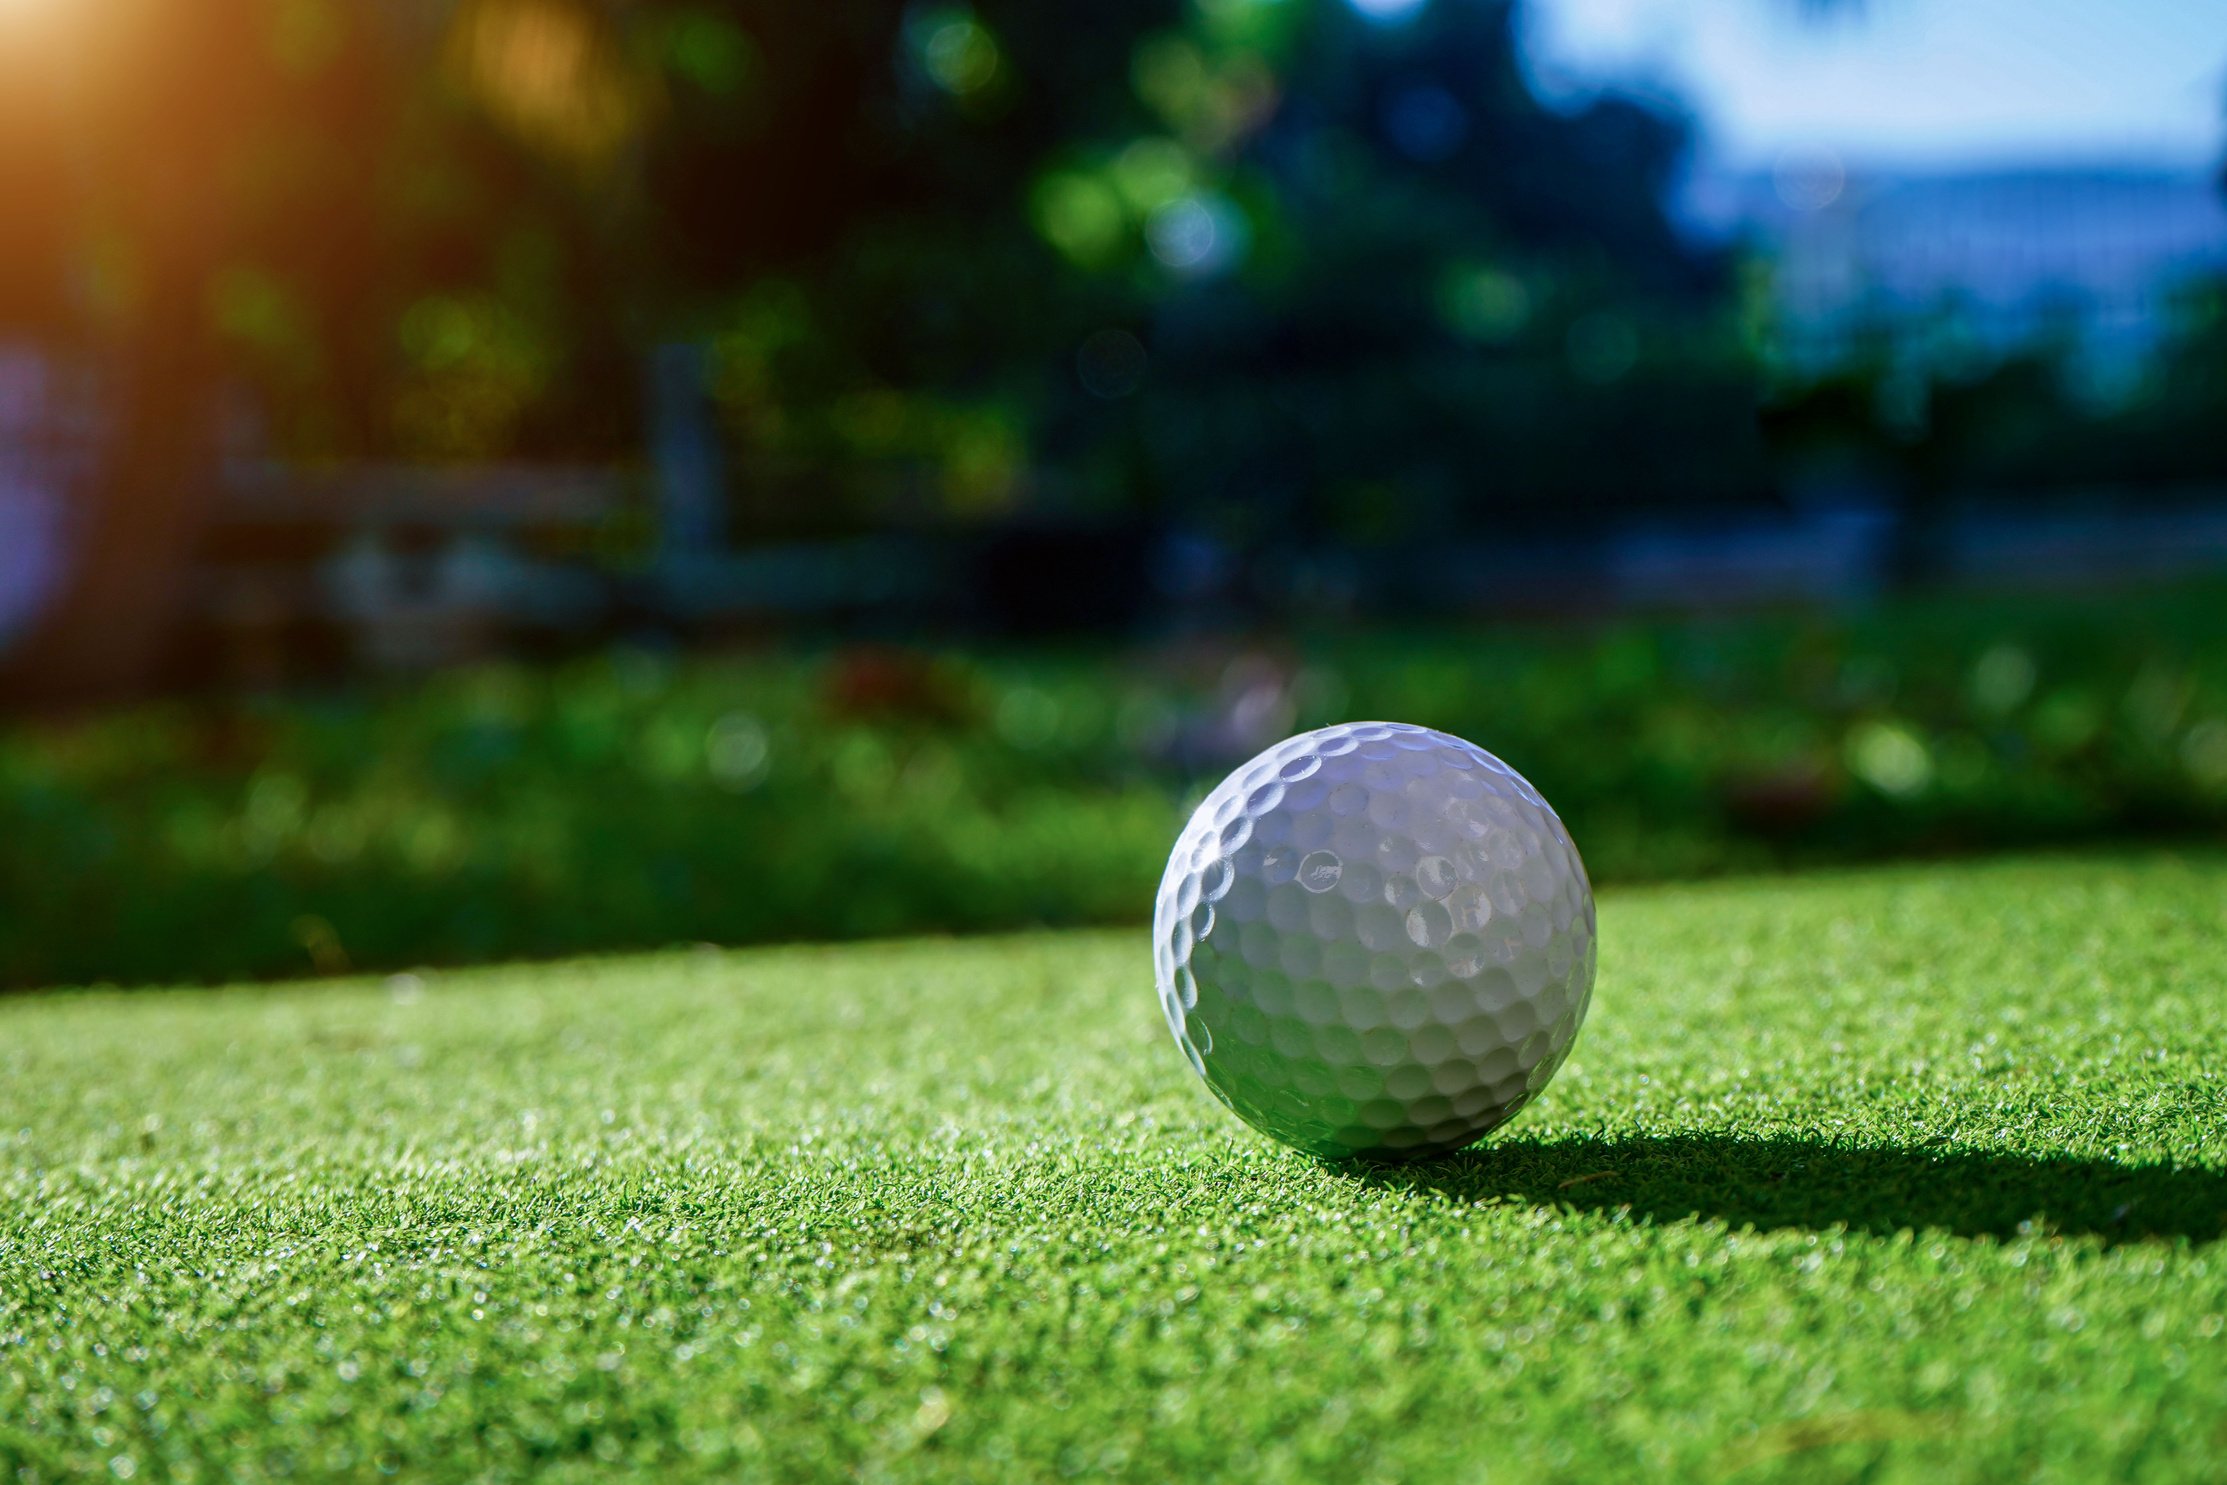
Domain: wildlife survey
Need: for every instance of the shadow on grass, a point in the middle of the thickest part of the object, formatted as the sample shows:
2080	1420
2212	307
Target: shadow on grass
1815	1184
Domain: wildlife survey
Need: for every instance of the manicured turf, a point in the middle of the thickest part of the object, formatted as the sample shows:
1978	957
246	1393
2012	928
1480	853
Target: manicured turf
1907	1175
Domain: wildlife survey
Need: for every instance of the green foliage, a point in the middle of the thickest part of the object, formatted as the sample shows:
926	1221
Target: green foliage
1914	1176
451	232
1943	418
634	800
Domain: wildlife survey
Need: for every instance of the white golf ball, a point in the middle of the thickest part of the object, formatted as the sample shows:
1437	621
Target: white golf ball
1374	939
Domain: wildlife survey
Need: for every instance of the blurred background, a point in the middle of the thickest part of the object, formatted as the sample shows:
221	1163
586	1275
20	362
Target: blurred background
511	477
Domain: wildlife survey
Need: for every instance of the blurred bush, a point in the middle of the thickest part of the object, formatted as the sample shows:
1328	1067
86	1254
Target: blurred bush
638	800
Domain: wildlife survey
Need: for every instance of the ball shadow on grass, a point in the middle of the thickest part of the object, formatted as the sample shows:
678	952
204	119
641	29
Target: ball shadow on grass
1815	1184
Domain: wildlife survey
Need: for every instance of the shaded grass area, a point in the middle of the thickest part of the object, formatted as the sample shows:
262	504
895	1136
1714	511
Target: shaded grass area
1883	1189
639	801
1912	1174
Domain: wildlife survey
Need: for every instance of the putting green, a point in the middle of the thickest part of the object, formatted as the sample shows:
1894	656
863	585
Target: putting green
1915	1174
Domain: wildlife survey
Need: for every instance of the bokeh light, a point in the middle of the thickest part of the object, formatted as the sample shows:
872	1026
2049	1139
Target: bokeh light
549	70
1151	172
20	16
956	50
1484	303
1080	215
1198	235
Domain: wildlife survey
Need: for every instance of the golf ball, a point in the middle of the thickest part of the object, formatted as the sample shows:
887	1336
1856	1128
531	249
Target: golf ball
1374	939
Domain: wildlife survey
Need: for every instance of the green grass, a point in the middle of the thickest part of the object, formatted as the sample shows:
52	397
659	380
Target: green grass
1915	1174
630	801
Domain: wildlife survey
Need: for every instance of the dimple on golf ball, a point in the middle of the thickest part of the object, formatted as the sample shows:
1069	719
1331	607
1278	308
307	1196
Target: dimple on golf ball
1374	940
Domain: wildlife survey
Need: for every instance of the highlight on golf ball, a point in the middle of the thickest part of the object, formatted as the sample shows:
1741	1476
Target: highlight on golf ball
1375	940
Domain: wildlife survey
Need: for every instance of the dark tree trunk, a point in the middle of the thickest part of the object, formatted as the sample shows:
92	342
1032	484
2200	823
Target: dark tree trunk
155	135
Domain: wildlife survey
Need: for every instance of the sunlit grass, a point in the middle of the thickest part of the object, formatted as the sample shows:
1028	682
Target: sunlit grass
1916	1175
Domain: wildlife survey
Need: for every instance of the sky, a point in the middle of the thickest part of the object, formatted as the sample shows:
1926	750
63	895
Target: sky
1908	83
